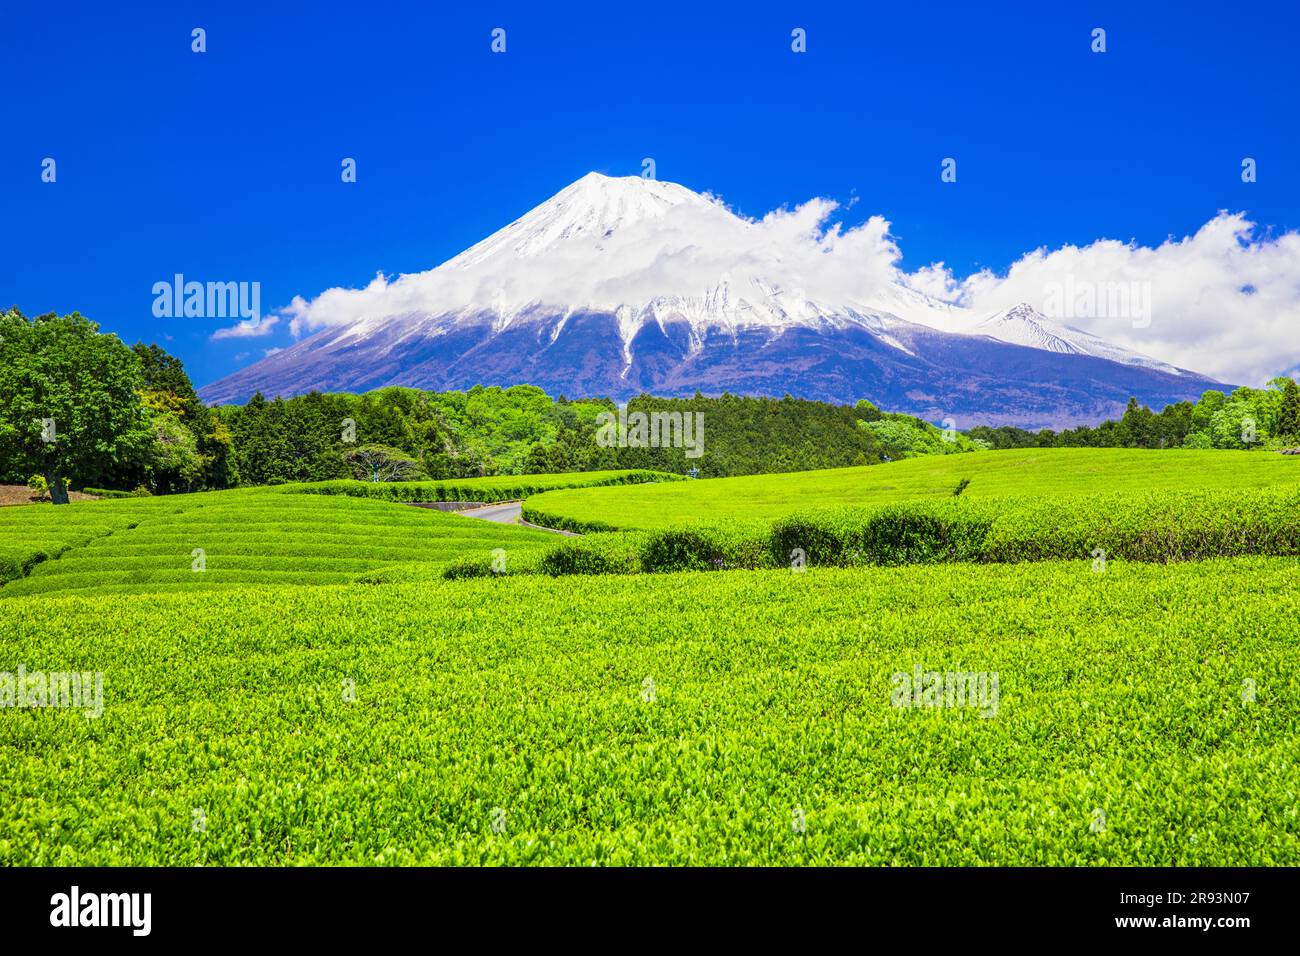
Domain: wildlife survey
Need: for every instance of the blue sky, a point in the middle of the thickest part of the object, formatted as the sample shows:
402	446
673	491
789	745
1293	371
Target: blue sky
225	165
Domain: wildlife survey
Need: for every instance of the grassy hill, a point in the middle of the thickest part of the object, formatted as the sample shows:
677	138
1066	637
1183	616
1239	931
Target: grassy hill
1036	473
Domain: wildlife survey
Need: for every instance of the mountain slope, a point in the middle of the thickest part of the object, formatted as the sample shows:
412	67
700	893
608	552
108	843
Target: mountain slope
618	286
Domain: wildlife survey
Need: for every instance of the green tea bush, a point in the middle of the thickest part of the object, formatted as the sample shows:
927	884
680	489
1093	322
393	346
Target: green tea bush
482	565
1155	526
245	537
595	554
916	533
564	522
1039	473
495	488
18	562
697	548
702	548
140	492
107	493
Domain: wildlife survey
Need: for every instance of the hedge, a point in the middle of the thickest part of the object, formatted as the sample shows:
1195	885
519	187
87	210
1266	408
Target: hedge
1156	527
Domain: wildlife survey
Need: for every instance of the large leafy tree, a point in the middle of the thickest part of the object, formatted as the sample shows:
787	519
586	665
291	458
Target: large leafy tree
173	461
70	406
192	446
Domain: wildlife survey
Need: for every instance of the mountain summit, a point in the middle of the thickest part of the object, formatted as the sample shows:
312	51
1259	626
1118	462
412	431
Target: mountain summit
615	286
595	207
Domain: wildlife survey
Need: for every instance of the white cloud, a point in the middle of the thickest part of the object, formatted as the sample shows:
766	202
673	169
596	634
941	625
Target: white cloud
1225	301
247	329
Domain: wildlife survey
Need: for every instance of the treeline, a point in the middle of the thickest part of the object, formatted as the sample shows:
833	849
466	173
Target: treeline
1248	418
79	409
407	433
404	433
398	433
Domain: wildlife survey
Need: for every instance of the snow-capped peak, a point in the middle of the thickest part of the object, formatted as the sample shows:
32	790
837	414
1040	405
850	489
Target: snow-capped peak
595	207
1022	324
652	252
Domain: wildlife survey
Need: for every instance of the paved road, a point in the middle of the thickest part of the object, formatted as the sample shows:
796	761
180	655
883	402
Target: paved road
508	512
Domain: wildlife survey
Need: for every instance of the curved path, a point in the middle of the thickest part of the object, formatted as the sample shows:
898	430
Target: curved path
507	512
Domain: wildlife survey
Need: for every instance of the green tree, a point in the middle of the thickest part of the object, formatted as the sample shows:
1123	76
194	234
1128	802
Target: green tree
70	406
382	463
1288	416
174	462
1141	426
168	389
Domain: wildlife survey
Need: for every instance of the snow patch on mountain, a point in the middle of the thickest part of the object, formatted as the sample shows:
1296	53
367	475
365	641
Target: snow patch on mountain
1024	325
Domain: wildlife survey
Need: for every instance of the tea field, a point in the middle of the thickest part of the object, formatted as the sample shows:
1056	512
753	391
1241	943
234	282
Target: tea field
292	534
1048	473
324	675
1147	715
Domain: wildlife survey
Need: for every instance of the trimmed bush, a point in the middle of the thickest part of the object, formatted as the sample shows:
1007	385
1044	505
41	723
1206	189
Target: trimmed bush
494	488
1159	526
109	493
595	554
918	533
705	549
1151	527
564	522
480	565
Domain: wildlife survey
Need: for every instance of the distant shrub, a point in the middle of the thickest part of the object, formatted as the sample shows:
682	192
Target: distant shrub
559	522
40	488
107	493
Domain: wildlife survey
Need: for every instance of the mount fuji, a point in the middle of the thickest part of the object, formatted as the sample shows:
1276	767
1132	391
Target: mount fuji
618	286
